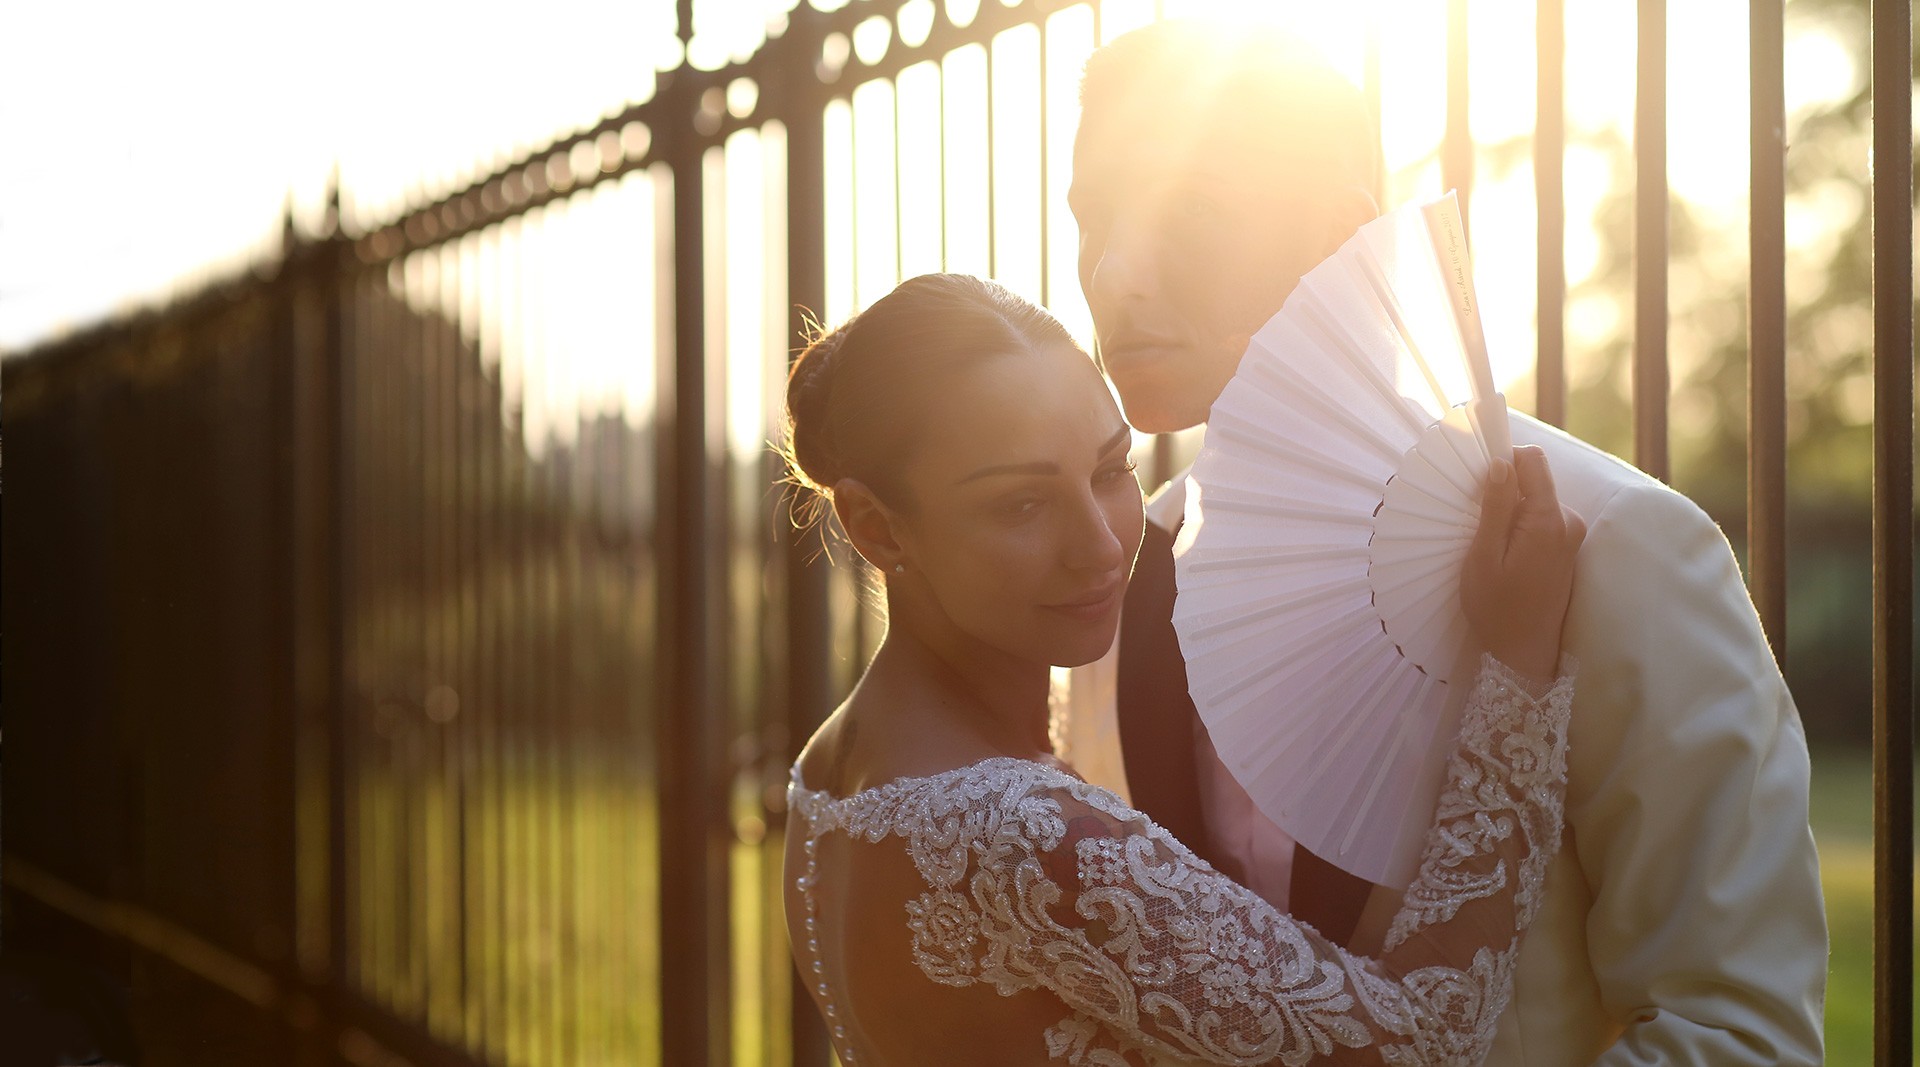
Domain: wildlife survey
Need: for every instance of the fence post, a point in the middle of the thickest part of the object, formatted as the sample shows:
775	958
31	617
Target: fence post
338	273
1892	533
694	994
1767	330
1549	151
1650	243
810	693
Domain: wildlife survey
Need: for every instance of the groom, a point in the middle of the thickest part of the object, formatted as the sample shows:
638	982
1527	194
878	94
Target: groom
1683	923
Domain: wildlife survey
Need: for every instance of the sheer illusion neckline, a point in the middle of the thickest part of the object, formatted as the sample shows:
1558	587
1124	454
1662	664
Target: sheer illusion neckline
908	783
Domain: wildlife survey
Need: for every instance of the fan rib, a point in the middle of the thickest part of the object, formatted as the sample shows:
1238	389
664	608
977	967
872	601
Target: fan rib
1340	676
1370	704
1402	728
1283	511
1456	475
1367	373
1403	575
1295	600
1303	391
1315	554
1292	455
1368	270
1469	450
1359	615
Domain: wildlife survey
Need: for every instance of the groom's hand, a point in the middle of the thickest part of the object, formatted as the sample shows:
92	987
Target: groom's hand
1518	576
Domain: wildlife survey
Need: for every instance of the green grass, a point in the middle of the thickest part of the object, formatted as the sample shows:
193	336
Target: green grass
1842	816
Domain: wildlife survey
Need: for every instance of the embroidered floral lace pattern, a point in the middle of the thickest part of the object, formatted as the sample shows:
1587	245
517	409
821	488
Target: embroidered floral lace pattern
1036	879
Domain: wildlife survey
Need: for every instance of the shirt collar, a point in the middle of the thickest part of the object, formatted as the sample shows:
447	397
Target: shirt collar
1167	507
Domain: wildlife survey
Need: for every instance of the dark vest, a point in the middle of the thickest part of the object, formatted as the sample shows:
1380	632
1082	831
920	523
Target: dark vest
1157	724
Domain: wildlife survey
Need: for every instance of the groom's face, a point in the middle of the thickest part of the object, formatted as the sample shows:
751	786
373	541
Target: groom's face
1191	237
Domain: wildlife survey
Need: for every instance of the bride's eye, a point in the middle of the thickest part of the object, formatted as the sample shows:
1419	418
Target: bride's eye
1018	507
1110	475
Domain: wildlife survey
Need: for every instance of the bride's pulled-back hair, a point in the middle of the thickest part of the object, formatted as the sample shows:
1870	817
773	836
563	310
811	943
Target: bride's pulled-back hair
856	395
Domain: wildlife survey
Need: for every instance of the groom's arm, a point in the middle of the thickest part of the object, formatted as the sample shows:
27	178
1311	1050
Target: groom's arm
1688	800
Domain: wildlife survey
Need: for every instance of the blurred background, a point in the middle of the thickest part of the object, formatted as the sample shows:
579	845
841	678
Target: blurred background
409	638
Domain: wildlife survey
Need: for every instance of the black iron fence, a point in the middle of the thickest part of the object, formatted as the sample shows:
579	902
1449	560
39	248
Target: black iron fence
408	647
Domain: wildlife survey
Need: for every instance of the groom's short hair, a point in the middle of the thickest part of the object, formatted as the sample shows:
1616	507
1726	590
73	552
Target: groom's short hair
1261	77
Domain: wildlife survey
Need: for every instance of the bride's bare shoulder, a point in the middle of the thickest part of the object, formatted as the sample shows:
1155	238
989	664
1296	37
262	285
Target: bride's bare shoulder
860	747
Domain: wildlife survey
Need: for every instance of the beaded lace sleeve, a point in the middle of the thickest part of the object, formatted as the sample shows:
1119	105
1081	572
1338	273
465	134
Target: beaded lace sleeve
1038	880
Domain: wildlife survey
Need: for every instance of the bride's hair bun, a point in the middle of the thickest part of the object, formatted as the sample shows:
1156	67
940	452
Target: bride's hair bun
856	393
809	450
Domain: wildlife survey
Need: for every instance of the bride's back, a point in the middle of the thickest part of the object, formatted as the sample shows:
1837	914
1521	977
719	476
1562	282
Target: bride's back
885	1009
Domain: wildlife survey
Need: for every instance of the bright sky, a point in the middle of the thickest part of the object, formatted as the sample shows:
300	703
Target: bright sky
154	145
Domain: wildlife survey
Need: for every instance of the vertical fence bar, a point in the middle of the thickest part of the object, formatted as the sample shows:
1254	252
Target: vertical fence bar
1456	146
1549	154
1040	24
374	754
569	640
546	702
809	637
722	613
452	686
858	301
472	702
1650	243
1892	533
346	309
516	691
693	900
277	861
443	914
993	189
417	779
1767	329
1370	88
492	496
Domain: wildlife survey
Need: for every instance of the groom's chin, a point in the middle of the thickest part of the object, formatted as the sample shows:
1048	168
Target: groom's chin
1162	415
1092	652
1160	400
1172	388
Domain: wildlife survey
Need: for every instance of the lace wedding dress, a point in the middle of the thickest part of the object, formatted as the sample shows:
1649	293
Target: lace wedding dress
1030	879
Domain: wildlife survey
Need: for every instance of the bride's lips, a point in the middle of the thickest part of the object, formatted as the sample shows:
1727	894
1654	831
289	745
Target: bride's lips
1092	605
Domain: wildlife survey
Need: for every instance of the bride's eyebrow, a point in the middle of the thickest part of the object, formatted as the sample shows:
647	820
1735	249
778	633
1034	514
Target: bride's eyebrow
1043	466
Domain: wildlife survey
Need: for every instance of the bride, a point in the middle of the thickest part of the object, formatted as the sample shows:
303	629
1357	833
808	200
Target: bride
955	893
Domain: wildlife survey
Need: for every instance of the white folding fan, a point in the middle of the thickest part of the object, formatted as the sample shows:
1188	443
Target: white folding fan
1318	572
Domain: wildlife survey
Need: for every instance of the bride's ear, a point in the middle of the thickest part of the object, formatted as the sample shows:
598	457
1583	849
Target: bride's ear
868	522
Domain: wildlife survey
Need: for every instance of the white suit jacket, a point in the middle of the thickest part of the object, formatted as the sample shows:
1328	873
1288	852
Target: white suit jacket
1683	920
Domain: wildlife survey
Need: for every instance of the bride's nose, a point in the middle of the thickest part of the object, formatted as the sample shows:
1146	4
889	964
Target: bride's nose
1092	542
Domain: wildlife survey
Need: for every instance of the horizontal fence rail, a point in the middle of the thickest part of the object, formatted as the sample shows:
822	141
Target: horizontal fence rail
432	607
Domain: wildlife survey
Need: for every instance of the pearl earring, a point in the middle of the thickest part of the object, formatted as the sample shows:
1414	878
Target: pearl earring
899	568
